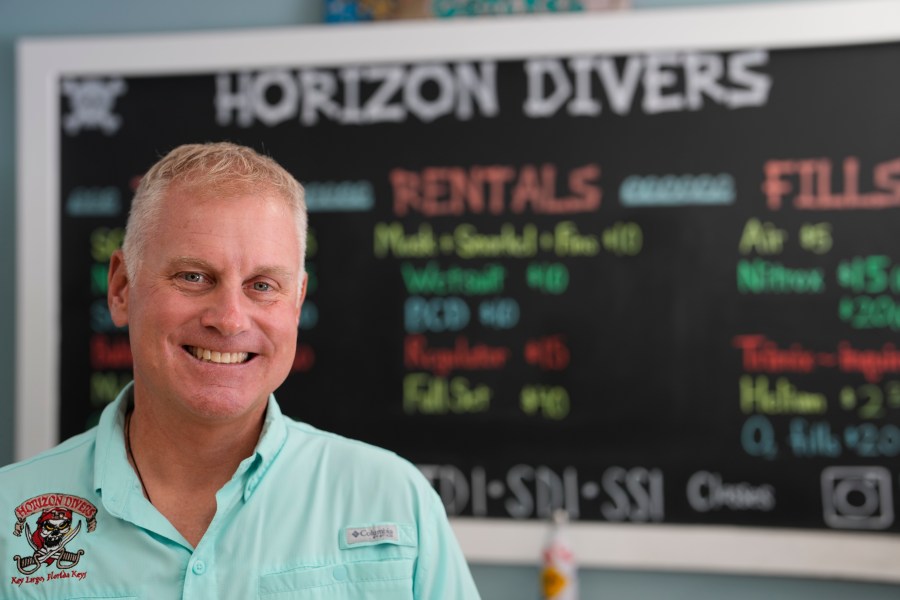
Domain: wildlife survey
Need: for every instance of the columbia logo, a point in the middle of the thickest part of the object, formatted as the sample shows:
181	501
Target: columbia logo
372	535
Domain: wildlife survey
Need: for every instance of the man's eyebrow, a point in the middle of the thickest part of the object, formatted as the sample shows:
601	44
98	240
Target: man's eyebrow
275	271
191	262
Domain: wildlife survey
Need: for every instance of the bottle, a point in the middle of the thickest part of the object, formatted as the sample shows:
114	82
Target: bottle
559	575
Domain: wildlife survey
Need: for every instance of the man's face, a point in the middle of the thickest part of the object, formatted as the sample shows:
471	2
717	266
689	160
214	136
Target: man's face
215	304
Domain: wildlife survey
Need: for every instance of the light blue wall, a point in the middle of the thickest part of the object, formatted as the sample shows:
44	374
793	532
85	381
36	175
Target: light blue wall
19	18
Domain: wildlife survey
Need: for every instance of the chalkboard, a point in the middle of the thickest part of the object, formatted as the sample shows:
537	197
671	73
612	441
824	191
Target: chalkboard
650	286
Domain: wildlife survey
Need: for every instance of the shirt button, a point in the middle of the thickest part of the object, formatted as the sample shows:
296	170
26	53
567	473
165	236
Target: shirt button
339	573
199	567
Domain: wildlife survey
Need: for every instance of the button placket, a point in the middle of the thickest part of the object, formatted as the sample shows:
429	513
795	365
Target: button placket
199	567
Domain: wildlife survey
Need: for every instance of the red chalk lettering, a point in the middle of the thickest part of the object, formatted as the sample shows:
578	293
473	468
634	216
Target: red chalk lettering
456	191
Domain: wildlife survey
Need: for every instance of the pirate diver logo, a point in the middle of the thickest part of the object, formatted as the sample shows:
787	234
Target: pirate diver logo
53	530
93	102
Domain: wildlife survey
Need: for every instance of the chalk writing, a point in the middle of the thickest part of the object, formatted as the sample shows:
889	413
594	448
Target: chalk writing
813	439
431	279
109	352
357	95
710	492
435	314
339	196
94	202
730	80
105	241
494	189
762	237
499	313
816	237
549	278
418	355
759	395
550	402
548	352
391	239
623	239
106	385
468	242
429	395
814	178
761	355
677	190
873	274
870	312
760	276
871	401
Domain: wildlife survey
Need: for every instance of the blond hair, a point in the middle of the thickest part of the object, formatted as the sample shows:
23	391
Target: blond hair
218	167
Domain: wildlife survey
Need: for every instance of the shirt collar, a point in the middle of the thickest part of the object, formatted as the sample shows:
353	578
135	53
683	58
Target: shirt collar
112	473
271	441
114	478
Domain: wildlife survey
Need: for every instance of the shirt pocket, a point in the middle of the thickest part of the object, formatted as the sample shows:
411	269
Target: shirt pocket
389	579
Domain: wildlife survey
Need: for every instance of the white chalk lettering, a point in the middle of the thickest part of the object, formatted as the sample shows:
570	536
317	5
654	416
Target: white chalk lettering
670	82
357	95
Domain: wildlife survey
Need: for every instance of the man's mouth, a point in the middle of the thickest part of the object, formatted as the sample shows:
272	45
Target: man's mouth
214	356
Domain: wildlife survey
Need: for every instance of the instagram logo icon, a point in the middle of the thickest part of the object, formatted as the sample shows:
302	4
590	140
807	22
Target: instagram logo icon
857	497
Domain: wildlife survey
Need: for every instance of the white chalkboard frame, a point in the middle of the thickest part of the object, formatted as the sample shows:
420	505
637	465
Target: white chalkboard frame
41	64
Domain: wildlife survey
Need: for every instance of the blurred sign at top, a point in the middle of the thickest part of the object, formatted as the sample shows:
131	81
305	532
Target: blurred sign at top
338	11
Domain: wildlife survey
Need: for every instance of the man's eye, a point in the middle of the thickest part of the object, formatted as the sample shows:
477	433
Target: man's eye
192	277
261	286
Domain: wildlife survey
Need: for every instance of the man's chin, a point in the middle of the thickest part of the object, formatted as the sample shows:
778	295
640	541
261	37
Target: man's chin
225	406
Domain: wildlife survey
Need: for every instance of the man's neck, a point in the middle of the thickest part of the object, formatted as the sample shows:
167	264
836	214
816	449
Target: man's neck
183	462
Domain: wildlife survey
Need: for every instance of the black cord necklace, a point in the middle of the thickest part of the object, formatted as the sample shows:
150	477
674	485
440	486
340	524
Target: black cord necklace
131	456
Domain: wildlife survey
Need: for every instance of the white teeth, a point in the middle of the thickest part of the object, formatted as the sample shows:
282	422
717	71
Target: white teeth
225	358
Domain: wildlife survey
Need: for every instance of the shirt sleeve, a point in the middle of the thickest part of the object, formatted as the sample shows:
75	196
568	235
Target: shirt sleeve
441	569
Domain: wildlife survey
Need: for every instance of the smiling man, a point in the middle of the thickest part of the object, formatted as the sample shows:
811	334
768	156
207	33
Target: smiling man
194	485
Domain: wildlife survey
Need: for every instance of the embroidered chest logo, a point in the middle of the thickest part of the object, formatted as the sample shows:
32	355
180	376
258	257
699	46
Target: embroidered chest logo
55	529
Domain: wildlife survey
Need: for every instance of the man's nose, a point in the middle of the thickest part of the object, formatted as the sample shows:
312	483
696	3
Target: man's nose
226	311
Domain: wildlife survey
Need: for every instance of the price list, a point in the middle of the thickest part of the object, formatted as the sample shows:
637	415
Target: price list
643	288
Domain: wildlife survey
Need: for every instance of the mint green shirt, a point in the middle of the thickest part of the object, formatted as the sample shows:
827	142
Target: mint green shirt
308	515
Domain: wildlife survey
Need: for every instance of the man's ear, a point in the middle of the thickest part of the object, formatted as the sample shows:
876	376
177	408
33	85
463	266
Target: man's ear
117	289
